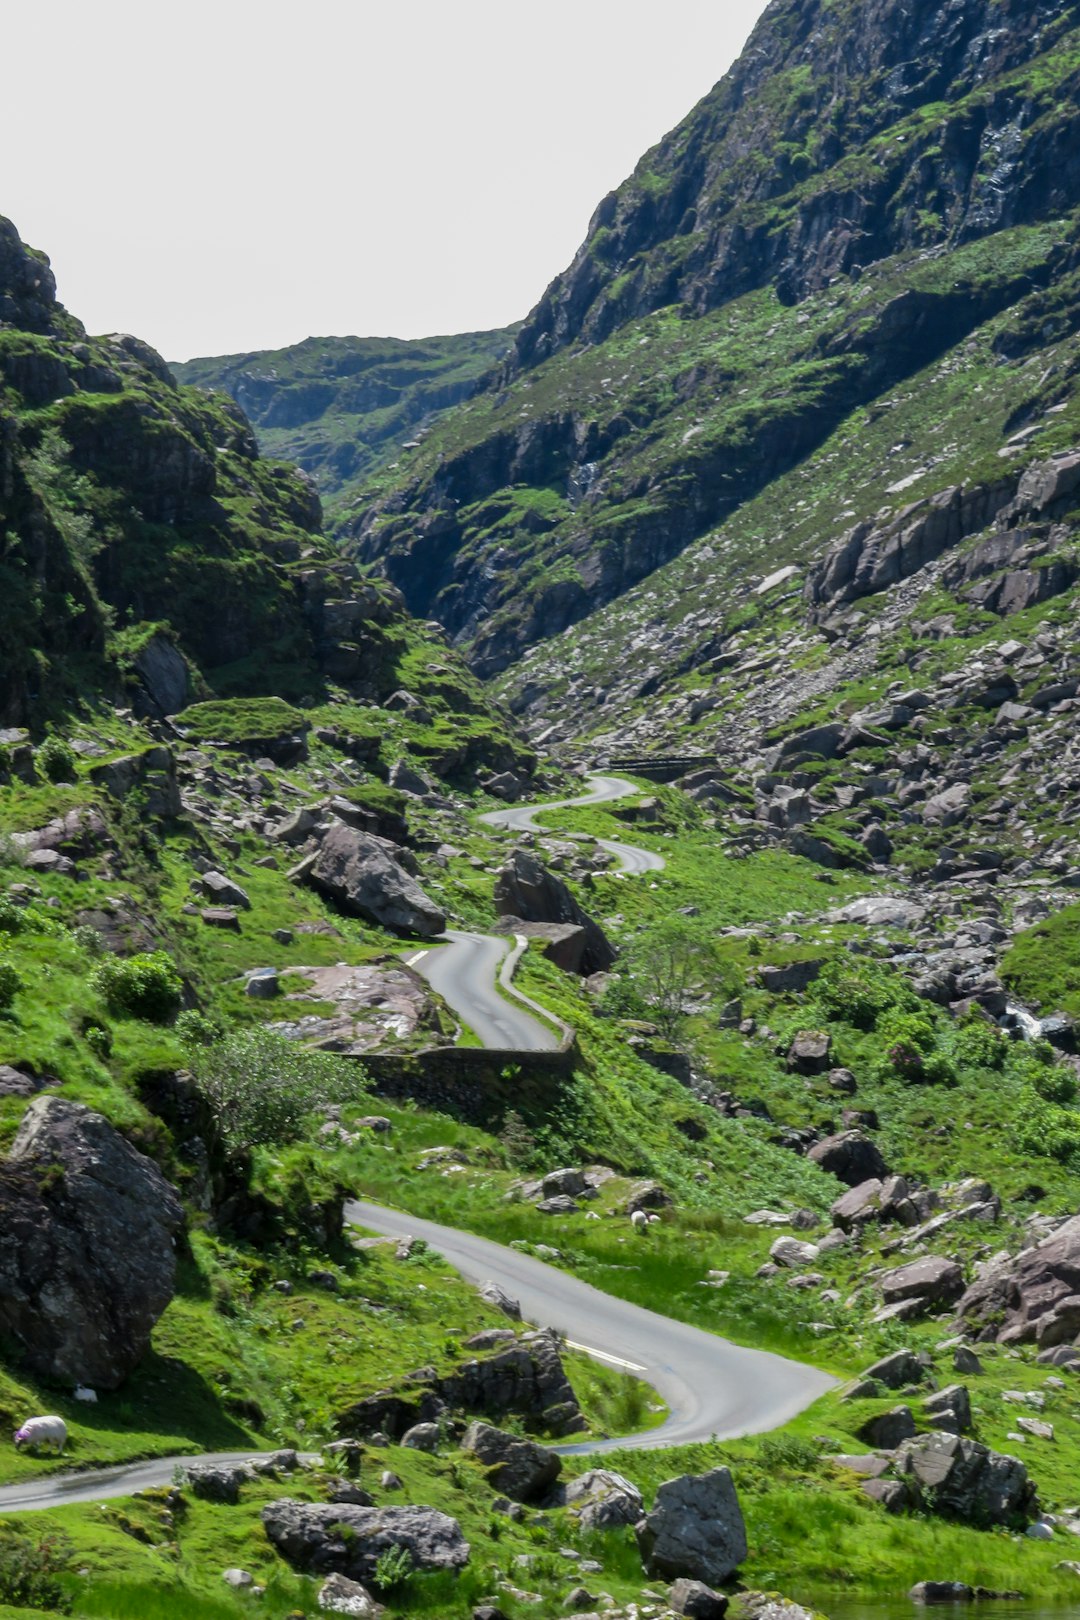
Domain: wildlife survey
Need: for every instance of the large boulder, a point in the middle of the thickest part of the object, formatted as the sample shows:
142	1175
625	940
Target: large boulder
527	1377
164	678
933	1280
1033	1296
695	1529
324	1538
601	1499
851	1157
357	872
965	1480
87	1263
525	888
521	1469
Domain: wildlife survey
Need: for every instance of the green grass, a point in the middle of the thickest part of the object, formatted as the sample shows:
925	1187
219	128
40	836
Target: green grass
1042	966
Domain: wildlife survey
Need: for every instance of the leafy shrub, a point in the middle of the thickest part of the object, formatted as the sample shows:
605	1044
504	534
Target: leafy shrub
195	1029
393	1568
789	1452
88	939
10	984
12	852
98	1039
31	1571
622	999
261	1087
1045	1129
516	1139
859	993
980	1044
56	760
144	986
11	917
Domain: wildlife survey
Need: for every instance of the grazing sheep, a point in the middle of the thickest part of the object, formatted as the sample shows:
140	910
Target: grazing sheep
42	1431
639	1220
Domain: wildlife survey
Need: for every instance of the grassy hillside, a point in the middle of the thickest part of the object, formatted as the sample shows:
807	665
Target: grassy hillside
343	408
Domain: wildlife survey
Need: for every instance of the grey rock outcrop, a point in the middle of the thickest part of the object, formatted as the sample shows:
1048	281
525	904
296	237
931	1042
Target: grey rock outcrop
339	1595
356	871
324	1538
697	1601
851	1157
525	888
601	1499
164	678
933	1280
87	1263
963	1479
526	1377
1032	1297
521	1469
152	772
695	1529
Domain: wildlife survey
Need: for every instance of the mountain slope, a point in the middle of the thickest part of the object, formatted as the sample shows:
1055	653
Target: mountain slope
342	408
769	270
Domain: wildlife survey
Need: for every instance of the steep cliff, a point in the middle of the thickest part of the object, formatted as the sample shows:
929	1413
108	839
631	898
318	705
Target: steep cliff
869	187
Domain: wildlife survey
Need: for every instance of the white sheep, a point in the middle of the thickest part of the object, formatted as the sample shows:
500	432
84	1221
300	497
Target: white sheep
639	1220
42	1431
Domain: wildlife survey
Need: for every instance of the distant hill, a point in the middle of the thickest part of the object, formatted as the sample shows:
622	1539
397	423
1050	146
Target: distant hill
342	408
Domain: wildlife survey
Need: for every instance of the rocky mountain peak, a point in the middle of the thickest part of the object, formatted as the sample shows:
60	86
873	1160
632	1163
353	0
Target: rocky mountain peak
846	131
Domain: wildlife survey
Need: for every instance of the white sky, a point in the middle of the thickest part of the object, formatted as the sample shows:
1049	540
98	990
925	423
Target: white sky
225	175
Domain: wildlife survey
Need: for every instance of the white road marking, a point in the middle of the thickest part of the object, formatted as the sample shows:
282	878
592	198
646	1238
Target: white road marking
411	961
602	1355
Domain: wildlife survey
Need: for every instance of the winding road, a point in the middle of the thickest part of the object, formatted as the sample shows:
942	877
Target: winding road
465	969
710	1386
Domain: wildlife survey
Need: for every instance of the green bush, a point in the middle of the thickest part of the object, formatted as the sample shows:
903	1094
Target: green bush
195	1029
261	1088
859	993
144	986
11	917
393	1568
56	760
31	1571
10	984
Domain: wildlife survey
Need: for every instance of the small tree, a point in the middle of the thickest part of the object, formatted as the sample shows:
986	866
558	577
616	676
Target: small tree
143	986
261	1088
666	962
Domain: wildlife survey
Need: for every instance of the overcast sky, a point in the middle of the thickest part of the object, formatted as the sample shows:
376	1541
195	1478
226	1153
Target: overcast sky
226	175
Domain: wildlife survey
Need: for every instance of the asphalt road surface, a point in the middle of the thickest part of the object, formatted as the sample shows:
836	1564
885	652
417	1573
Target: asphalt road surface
602	790
464	974
710	1387
464	969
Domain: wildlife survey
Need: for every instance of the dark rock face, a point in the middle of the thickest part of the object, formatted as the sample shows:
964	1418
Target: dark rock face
525	888
1034	1297
965	1480
695	1529
164	678
326	1538
527	1377
915	54
697	1601
356	871
521	1469
86	1257
852	1157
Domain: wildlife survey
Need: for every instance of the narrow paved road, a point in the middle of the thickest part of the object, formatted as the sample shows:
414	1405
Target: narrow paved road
602	790
710	1386
463	970
464	974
